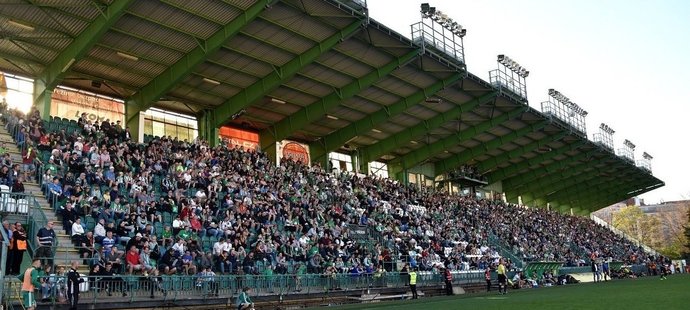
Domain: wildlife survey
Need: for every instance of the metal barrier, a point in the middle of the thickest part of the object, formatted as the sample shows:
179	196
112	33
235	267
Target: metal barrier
4	248
97	289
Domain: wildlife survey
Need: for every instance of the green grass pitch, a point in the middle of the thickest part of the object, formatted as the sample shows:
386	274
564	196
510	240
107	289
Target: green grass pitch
629	294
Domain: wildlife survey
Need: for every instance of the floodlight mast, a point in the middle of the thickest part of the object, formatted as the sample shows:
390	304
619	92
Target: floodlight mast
510	76
627	151
561	107
439	32
605	137
646	162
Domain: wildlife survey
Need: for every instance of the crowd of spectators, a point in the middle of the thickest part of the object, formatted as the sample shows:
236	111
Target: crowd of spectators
180	207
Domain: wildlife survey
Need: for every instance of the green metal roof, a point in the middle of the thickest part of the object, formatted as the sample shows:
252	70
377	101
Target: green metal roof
387	98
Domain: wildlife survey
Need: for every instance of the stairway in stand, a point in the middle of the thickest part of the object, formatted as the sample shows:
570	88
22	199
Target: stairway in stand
65	252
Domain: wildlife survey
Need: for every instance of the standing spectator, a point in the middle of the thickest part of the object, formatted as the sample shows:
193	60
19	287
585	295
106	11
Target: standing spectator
413	282
73	282
18	247
46	239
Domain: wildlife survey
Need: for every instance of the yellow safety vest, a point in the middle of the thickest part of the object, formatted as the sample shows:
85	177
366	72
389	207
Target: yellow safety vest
413	278
501	269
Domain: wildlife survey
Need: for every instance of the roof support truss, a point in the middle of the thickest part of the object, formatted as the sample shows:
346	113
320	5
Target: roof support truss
175	73
425	152
52	74
529	176
543	182
320	108
512	170
260	88
611	193
493	162
454	161
558	182
374	151
339	137
590	189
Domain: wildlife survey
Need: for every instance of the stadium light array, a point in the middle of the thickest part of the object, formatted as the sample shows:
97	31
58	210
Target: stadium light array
511	76
512	65
629	144
646	156
440	33
442	19
566	102
605	128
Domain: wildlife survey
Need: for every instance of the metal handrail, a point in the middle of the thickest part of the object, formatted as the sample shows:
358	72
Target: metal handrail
97	289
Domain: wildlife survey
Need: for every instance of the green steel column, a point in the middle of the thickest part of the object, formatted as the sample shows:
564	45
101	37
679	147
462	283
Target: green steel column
56	70
512	170
175	73
207	131
260	88
375	151
450	163
42	98
421	154
339	137
315	111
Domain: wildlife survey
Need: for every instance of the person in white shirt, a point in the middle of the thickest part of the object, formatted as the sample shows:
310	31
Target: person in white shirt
77	231
99	231
179	246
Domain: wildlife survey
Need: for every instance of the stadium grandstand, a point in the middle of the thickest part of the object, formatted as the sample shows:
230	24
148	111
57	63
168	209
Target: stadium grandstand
183	150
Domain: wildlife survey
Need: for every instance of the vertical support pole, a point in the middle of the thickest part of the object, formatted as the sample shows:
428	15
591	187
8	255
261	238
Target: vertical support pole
207	131
42	98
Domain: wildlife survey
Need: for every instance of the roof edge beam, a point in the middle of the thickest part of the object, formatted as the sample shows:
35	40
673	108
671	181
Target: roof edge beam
341	136
174	74
260	88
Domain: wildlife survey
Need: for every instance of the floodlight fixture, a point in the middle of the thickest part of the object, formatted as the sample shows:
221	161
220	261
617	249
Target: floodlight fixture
425	8
127	56
276	100
605	128
21	25
629	144
646	156
211	81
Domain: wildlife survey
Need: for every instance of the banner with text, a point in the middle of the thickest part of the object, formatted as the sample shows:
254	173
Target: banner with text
238	137
292	150
71	104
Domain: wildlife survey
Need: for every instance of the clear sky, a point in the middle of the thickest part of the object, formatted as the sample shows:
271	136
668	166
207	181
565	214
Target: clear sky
624	61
